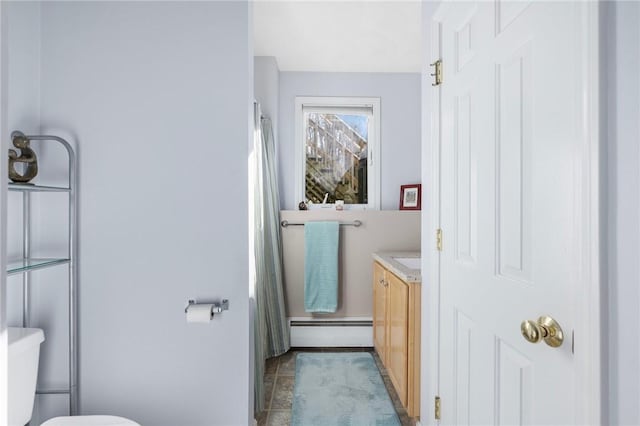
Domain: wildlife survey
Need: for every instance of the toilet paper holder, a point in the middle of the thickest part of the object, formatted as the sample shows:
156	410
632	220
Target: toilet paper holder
217	308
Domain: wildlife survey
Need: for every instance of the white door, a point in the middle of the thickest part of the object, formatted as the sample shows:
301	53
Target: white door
510	135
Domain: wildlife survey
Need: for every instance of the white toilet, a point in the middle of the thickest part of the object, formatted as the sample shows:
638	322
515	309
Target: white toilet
24	351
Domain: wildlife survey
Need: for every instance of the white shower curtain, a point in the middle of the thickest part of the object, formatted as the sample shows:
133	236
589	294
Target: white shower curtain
271	328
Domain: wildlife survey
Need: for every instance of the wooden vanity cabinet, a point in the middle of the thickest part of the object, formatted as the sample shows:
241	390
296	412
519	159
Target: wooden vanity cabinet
398	340
396	333
380	296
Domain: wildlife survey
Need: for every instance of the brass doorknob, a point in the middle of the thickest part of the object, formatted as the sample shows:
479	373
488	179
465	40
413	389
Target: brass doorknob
546	328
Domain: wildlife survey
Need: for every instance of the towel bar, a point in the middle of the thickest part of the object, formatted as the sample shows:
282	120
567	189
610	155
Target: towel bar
286	223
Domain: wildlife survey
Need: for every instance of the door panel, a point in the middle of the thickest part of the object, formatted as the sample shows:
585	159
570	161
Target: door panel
507	11
398	335
466	190
514	371
513	169
465	35
509	124
473	350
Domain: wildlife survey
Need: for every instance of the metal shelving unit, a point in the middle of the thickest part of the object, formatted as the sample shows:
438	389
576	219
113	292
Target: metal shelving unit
28	264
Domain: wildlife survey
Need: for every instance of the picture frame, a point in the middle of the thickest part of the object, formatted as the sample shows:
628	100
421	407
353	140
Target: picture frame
411	197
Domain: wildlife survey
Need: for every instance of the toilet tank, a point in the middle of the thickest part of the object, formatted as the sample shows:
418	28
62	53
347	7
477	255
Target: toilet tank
24	351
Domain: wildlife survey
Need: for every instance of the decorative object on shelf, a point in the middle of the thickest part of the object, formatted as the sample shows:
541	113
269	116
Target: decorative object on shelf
410	197
27	157
303	206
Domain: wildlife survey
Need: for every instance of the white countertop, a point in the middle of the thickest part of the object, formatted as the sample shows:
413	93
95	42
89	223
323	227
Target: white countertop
387	260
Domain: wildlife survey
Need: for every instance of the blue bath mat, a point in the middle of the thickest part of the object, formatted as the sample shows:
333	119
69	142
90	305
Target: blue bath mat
340	389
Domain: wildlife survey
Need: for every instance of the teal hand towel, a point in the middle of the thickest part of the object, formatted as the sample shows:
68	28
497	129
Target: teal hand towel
321	266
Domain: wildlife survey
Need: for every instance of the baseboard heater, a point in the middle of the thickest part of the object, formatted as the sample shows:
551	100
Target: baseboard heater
338	332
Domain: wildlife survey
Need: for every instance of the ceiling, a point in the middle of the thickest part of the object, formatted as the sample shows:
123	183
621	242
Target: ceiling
339	36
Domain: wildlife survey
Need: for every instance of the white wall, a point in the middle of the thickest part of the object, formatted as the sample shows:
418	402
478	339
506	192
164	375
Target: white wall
622	59
400	125
157	96
266	77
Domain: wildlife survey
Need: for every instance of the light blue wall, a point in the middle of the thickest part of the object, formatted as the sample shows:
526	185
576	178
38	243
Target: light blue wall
621	79
23	113
48	294
400	125
266	86
157	96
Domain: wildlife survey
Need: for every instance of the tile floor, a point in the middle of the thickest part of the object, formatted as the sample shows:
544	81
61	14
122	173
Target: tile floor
278	382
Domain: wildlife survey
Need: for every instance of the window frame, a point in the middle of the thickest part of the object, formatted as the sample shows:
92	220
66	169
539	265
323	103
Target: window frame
373	145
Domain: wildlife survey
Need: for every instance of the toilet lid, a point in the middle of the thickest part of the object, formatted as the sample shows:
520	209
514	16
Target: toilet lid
90	421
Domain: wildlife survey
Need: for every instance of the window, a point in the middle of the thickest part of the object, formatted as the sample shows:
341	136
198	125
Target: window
337	147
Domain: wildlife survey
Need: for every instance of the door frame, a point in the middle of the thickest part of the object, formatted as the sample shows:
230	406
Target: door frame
588	177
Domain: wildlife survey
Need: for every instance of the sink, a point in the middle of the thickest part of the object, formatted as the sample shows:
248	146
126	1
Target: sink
409	262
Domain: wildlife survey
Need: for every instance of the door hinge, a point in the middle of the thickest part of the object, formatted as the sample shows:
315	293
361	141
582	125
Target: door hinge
436	407
439	239
437	72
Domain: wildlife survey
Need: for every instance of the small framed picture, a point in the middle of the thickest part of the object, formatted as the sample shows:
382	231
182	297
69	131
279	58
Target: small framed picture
410	197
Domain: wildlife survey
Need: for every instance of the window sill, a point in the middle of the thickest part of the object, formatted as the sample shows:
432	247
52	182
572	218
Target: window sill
347	207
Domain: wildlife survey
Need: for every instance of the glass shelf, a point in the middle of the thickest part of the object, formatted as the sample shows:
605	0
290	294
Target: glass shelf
23	265
25	187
